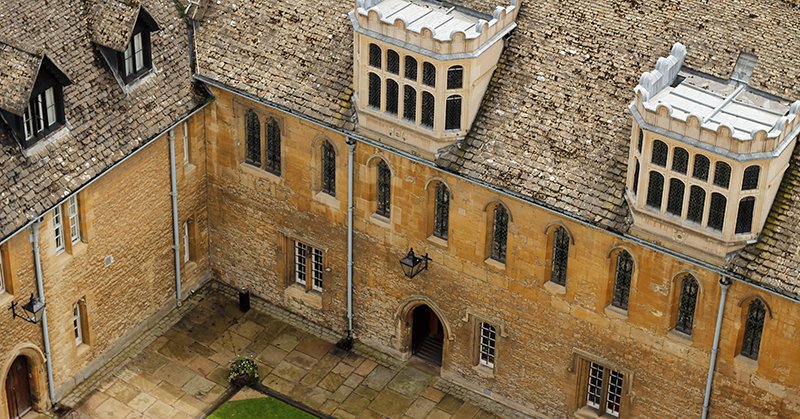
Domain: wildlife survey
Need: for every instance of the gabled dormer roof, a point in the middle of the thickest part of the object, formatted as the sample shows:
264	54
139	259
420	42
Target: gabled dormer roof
115	20
19	70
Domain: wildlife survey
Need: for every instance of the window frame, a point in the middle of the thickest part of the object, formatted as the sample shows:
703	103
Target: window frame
328	168
308	261
621	292
273	147
498	239
750	345
77	324
74	215
582	362
141	65
58	230
688	298
383	189
487	344
561	243
252	138
441	211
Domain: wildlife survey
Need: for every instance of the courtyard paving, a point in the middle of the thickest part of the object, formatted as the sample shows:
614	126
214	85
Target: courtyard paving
182	372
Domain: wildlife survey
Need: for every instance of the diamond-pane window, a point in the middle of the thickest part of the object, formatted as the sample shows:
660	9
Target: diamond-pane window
384	190
453	113
722	174
374	55
680	160
675	197
273	163
500	233
428	110
750	180
660	151
655	190
558	272
687	304
428	74
744	217
392	93
753	328
622	280
252	139
697	202
374	90
716	213
409	103
701	165
328	168
455	77
411	68
441	213
392	62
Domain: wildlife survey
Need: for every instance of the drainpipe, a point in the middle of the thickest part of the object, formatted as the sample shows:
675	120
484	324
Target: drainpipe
176	242
725	283
37	263
347	341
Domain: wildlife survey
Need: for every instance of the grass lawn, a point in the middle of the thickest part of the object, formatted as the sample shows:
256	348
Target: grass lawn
260	408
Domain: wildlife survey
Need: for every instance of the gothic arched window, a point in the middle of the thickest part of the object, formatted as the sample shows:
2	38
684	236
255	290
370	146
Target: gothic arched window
753	327
429	74
374	55
411	68
500	233
392	62
701	165
273	163
655	190
428	109
716	213
441	212
675	197
722	174
392	96
384	190
252	139
750	180
687	304
452	118
697	202
660	151
558	272
328	168
455	77
622	280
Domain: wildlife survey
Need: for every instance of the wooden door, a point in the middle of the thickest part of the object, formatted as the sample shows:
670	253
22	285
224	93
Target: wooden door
18	388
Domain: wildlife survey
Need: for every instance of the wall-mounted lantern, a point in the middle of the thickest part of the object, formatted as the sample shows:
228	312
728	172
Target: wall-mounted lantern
32	310
413	264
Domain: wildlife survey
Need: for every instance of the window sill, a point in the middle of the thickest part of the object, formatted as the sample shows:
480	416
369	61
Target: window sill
587	412
681	337
381	220
82	349
554	288
483	371
326	199
189	266
298	293
745	363
497	265
616	312
188	169
259	172
438	241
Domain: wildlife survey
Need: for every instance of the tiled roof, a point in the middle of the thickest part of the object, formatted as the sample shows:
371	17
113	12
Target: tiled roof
18	70
103	123
554	124
113	22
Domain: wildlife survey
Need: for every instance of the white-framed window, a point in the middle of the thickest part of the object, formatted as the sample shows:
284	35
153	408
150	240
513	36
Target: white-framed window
40	113
186	244
74	219
58	229
77	327
185	143
488	345
134	55
604	389
308	261
2	274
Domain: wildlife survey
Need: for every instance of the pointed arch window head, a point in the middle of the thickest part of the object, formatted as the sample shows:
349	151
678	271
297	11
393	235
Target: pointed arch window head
374	90
455	77
392	62
716	213
392	96
622	280
409	103
499	233
744	217
273	163
753	328
675	197
701	166
655	190
252	139
680	160
453	113
441	216
411	68
558	272
722	174
375	55
750	180
428	74
384	190
660	151
428	110
328	168
687	305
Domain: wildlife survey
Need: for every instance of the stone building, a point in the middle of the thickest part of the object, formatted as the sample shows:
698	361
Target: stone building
600	197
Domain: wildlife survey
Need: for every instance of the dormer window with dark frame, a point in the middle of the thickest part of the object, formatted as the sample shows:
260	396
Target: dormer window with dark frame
136	60
126	43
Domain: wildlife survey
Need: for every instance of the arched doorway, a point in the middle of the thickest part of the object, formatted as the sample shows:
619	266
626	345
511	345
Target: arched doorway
18	388
427	335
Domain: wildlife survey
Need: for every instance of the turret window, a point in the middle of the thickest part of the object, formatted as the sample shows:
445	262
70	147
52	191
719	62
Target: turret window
411	68
750	180
453	113
392	93
375	55
722	174
697	202
660	151
701	165
455	77
744	217
680	160
374	90
675	200
429	74
716	214
655	190
428	109
409	103
392	62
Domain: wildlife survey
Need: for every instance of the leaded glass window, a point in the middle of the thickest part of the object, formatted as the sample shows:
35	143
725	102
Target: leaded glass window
488	345
374	55
558	272
428	74
500	233
455	77
273	163
392	62
374	91
687	304
655	190
750	180
411	68
697	202
441	213
409	103
328	168
753	328
452	118
716	213
675	197
428	109
252	139
660	151
680	160
744	217
622	280
392	99
722	174
384	190
640	140
701	165
636	178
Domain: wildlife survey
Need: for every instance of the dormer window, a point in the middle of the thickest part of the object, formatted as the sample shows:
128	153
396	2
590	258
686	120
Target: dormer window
123	33
136	59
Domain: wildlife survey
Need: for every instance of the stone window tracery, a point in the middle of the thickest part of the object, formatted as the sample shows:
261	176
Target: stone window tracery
411	68
701	167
